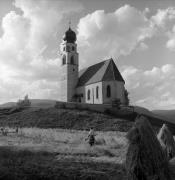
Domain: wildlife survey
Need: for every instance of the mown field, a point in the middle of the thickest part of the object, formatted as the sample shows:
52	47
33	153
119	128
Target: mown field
56	153
51	145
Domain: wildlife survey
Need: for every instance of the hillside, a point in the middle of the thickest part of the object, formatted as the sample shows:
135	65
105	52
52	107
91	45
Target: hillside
61	118
168	114
42	103
43	114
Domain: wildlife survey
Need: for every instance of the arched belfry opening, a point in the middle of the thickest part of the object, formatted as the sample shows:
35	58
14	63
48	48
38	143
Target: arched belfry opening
63	60
72	60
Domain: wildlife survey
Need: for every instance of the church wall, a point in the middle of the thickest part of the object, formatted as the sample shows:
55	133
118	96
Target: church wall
117	91
67	82
81	90
93	98
62	83
72	80
68	71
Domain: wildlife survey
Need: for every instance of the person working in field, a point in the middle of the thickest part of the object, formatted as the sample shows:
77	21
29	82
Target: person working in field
4	131
91	137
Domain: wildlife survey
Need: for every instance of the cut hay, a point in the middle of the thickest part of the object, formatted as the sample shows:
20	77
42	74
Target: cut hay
145	159
172	166
167	142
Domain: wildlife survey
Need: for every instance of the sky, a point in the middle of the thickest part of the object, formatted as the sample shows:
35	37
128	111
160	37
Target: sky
138	34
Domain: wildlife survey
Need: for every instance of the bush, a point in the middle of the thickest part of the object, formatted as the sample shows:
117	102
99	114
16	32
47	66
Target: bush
24	103
60	105
127	100
116	103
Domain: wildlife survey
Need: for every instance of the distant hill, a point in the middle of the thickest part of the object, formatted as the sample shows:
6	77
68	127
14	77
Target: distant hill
8	104
42	103
166	114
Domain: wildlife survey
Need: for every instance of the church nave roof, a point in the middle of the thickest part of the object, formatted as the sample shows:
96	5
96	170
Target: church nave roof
103	71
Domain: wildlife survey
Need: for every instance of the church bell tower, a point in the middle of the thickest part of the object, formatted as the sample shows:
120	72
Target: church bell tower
69	67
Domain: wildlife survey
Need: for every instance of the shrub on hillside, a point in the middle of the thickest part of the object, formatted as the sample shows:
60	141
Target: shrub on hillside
59	105
127	100
24	103
116	103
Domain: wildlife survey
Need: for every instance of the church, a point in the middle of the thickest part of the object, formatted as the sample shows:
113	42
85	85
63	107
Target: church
100	83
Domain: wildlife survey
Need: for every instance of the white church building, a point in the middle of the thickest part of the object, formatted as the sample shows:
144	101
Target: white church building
100	83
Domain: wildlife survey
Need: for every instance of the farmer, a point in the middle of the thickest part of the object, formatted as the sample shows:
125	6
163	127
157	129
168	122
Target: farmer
16	130
2	130
91	137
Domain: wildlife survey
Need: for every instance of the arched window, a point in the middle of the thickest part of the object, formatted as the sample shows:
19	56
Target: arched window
64	60
97	89
64	49
73	48
72	60
68	48
108	91
88	94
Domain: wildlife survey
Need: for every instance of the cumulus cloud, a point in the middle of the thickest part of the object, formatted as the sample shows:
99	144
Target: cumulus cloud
142	47
165	18
26	35
171	42
151	88
117	33
113	34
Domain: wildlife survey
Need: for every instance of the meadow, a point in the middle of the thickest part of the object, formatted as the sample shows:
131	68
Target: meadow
109	147
51	144
62	151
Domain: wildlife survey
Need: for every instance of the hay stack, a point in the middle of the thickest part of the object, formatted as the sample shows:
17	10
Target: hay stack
167	142
145	159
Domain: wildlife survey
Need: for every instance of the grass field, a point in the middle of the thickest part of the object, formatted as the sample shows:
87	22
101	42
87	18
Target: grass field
51	145
62	118
64	152
109	147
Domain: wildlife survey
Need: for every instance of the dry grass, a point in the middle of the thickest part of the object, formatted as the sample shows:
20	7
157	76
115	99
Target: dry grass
62	118
110	146
27	165
36	153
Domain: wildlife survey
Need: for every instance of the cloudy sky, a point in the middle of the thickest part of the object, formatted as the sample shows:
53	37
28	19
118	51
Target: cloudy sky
138	34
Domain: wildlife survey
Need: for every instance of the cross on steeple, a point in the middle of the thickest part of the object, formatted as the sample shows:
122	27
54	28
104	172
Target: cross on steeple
69	23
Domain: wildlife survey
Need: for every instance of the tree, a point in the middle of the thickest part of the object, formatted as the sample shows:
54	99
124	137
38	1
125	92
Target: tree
127	100
24	103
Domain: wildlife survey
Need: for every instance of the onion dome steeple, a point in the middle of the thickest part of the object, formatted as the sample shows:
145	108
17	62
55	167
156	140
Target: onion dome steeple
70	35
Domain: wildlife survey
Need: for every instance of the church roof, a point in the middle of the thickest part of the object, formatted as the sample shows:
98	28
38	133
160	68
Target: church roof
103	71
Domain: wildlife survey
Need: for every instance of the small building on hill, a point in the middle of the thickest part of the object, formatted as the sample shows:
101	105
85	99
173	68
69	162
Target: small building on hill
100	83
